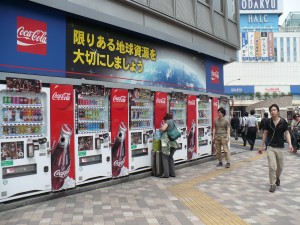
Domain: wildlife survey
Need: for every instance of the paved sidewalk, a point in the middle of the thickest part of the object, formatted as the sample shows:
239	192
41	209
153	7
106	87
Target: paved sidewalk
201	194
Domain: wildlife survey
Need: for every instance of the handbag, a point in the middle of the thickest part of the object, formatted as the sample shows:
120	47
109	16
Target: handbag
174	134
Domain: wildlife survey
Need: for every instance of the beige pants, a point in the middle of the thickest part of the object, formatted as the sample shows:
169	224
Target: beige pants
275	162
219	142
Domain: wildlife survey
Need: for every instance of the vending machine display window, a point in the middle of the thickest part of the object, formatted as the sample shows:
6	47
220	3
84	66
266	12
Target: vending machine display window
85	143
92	114
12	150
22	114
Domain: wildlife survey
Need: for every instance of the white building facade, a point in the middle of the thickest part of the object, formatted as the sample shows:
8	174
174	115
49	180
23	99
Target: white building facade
269	72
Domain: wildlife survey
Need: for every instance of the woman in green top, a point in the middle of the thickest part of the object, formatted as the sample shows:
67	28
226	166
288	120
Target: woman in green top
168	147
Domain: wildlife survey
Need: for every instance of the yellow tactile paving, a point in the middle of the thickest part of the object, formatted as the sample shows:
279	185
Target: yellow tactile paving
203	206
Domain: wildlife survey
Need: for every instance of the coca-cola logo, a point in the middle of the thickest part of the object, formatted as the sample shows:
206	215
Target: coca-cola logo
191	102
31	36
119	163
61	96
119	98
215	76
62	174
161	100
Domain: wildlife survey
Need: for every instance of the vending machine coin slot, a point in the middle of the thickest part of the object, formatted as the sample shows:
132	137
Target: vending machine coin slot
98	143
30	150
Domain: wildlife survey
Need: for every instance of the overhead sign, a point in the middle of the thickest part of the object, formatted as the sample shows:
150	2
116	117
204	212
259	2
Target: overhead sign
231	90
261	6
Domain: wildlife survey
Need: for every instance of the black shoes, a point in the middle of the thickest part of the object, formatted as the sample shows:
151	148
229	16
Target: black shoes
220	164
244	144
277	182
228	165
251	148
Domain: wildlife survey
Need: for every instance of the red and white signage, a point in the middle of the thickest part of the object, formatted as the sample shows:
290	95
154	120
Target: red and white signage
160	107
31	36
119	132
215	75
62	136
191	126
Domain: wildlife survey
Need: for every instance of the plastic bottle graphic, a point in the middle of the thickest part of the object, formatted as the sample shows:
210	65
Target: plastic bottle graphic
60	158
191	141
119	150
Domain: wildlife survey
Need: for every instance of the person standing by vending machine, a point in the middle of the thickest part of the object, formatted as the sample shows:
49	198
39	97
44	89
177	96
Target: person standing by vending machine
168	147
221	134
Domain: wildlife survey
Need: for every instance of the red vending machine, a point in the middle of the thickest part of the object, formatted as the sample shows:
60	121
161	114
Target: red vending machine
141	130
191	127
119	132
24	139
62	136
204	118
92	136
178	109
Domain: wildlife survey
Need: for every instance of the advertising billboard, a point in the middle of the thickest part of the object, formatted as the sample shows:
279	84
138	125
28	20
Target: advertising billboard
32	39
96	52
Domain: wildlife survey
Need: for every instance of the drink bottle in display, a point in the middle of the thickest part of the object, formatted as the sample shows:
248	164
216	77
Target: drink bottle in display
119	150
191	140
61	158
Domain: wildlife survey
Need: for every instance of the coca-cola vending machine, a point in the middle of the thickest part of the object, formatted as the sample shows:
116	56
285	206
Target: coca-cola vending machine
119	132
62	136
92	136
24	139
204	131
141	129
191	127
178	108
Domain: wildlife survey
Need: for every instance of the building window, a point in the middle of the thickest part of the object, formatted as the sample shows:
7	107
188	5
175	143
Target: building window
231	10
219	5
295	49
288	49
281	50
205	1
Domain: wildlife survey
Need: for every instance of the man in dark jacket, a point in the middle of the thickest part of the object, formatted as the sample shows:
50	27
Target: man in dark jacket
235	123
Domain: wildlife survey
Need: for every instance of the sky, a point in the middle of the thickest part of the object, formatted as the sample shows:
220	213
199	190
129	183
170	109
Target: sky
289	6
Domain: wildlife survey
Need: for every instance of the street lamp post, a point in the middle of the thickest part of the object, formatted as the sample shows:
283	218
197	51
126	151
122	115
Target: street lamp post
231	97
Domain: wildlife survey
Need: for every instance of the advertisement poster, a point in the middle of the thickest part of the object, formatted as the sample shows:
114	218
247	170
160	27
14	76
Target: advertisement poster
160	108
191	127
264	46
95	52
245	46
251	46
271	46
62	136
257	46
119	132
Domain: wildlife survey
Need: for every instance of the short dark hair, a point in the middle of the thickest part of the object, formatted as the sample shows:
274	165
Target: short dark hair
222	110
252	112
266	114
294	116
168	116
246	114
274	105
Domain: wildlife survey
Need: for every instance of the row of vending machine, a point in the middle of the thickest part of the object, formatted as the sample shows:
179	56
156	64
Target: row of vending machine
57	137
